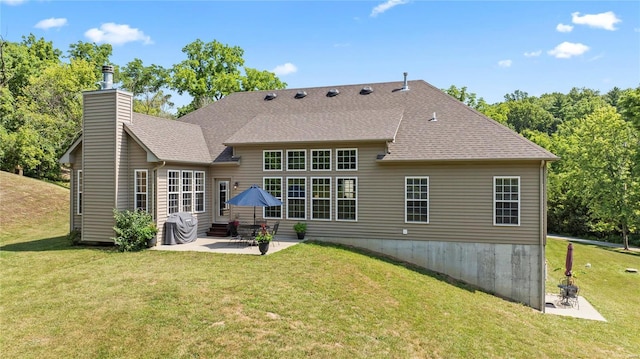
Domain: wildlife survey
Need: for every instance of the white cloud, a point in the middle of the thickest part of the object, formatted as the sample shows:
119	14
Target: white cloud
504	63
46	24
12	2
564	28
285	69
533	53
605	20
386	6
115	34
568	49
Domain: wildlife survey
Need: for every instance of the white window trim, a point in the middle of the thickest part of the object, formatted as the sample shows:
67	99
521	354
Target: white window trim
179	184
428	200
494	201
282	160
264	186
146	192
330	199
311	160
203	191
305	160
306	191
79	192
337	162
357	192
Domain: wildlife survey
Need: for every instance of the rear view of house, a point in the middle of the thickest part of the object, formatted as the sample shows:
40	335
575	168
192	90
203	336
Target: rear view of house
400	168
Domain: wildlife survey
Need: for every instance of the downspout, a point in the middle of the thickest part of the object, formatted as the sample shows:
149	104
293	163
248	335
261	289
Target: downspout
543	233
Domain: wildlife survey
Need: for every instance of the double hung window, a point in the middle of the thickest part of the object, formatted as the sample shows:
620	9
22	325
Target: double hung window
141	181
347	199
506	201
417	199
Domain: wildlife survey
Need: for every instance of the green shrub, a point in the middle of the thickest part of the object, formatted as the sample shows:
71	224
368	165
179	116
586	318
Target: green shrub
133	229
74	237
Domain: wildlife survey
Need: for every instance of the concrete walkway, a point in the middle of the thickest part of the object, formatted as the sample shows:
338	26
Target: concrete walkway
227	245
588	241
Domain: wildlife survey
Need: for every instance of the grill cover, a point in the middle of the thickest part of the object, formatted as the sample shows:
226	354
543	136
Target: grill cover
180	228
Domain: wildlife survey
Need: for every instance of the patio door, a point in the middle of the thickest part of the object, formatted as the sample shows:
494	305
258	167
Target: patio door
223	193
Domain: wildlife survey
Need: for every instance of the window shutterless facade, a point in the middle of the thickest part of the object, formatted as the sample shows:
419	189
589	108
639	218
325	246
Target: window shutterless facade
296	198
273	185
173	191
141	180
347	199
347	159
272	160
198	191
321	198
506	200
321	160
296	160
416	207
80	189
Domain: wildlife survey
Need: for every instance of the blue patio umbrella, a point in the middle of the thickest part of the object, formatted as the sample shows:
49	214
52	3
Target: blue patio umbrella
256	197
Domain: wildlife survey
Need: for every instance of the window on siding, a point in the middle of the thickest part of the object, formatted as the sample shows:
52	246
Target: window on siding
321	198
296	160
296	198
141	190
321	160
80	184
273	185
173	191
272	160
187	191
417	199
198	191
347	159
506	200
347	199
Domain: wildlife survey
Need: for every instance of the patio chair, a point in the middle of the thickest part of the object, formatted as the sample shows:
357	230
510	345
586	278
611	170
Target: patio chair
569	292
274	232
245	234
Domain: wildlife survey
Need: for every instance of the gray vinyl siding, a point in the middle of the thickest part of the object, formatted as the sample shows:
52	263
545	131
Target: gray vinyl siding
205	219
104	112
460	207
137	161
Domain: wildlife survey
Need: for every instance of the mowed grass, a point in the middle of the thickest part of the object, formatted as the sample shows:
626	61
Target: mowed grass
308	301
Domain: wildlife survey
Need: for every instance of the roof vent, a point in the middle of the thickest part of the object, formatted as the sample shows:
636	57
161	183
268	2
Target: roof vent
366	90
434	118
107	77
333	92
270	96
301	94
405	85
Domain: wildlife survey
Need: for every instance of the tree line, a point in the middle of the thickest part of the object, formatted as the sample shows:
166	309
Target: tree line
593	190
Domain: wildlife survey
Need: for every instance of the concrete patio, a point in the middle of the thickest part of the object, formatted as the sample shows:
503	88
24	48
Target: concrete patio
584	309
229	245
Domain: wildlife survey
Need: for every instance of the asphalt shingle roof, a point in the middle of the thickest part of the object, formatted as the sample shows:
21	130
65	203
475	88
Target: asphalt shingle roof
170	140
387	114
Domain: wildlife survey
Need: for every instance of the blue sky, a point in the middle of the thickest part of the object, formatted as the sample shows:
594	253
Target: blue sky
491	47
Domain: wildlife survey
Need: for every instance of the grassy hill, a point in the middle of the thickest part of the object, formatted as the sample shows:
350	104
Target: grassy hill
308	301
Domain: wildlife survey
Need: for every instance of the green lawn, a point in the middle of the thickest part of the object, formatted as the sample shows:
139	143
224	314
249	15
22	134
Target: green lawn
311	300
